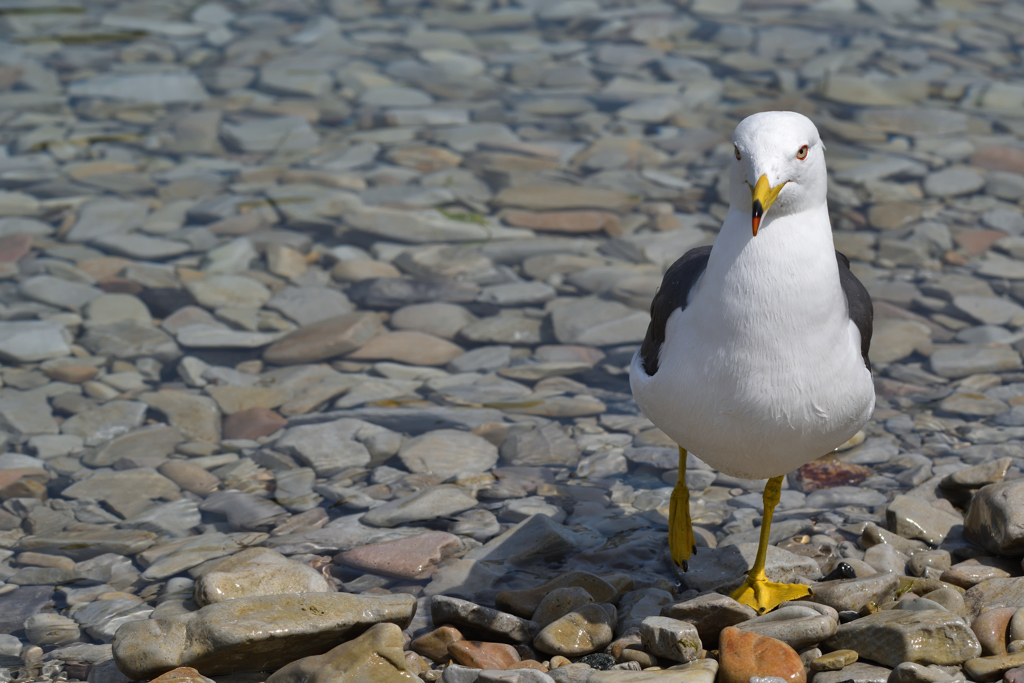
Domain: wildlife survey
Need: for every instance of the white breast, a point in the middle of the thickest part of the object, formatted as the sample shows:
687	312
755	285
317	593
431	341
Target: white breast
761	372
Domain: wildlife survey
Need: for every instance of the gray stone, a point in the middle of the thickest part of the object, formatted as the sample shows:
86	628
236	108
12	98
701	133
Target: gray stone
29	341
952	182
854	594
798	625
710	613
989	310
215	291
153	87
915	518
670	638
447	452
925	637
995	518
280	134
106	216
960	360
597	322
128	340
466	615
547	446
59	292
328	447
425	505
106	422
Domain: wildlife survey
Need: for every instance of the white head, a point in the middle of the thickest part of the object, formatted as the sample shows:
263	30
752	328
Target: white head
780	164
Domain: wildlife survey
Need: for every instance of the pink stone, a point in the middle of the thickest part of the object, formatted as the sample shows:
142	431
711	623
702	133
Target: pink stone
990	628
413	558
13	247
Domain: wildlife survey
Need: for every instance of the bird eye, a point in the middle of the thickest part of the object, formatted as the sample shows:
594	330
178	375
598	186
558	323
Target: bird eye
737	150
801	153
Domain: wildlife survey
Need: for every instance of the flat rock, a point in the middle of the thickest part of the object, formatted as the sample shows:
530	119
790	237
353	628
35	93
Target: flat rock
410	347
425	505
586	629
328	447
324	339
195	417
925	637
30	341
710	613
959	360
447	452
231	636
414	558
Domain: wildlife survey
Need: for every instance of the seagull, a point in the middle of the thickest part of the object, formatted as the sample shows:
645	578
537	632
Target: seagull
756	357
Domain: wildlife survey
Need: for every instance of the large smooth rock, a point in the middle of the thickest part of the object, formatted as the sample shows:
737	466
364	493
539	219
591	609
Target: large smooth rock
447	452
926	637
233	636
374	656
257	571
995	519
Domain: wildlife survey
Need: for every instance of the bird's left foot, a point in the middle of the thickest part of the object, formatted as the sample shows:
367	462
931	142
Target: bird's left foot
764	595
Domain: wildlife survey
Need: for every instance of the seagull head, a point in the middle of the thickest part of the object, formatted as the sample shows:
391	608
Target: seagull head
779	165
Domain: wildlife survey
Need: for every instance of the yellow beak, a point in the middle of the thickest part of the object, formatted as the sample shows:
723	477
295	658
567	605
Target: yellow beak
763	197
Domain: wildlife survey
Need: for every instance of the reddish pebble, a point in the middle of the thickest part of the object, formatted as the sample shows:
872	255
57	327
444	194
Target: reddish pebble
743	654
978	241
13	247
1014	675
990	628
252	424
434	645
483	655
413	558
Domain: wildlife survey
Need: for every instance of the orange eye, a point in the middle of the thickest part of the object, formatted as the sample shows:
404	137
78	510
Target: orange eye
801	153
737	150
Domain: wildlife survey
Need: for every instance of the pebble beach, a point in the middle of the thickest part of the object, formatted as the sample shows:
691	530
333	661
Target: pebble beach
316	319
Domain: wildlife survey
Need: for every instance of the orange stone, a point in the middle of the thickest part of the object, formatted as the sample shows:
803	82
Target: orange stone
434	645
483	655
409	347
743	654
183	674
8	477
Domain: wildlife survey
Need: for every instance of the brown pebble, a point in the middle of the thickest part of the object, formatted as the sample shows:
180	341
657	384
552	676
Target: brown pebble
252	423
480	655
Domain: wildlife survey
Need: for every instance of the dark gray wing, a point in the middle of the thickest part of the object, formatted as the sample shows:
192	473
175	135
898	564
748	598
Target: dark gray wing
673	294
859	302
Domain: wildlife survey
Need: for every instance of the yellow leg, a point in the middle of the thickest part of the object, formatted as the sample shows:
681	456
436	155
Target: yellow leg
680	530
757	591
